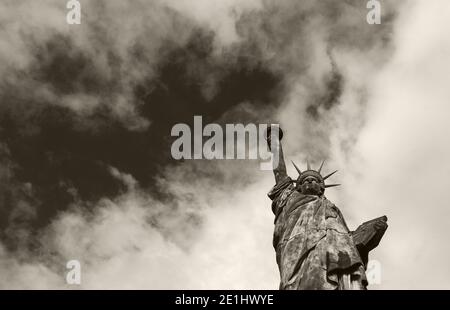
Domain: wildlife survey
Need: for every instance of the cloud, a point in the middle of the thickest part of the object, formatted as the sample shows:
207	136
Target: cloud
106	93
134	241
401	155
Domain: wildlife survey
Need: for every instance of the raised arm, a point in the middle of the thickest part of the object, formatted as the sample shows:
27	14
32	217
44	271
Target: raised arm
274	136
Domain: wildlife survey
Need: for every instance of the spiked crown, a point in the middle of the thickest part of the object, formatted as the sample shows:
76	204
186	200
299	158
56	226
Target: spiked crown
316	174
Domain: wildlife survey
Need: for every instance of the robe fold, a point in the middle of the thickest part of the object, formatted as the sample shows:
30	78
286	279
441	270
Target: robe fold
314	247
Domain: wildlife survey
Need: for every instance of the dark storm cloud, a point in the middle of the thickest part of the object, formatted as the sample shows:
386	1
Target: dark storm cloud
65	154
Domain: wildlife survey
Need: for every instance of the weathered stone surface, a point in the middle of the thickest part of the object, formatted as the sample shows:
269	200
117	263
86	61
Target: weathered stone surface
313	244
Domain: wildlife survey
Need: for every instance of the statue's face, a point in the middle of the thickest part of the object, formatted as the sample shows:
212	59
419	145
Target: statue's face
311	186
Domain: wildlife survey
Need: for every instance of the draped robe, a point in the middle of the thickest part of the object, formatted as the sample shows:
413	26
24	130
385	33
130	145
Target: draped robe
314	247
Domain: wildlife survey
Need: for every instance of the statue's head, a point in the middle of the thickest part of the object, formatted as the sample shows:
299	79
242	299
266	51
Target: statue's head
311	182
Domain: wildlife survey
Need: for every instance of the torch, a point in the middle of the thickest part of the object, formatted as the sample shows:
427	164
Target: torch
271	132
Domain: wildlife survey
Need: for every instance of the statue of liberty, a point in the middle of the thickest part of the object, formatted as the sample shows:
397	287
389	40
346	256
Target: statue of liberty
314	247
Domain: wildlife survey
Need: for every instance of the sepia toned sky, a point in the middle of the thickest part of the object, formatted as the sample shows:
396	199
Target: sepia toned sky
86	113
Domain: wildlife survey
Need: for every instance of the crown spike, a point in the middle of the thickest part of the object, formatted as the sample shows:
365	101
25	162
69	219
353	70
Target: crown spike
296	168
308	166
332	185
321	165
326	177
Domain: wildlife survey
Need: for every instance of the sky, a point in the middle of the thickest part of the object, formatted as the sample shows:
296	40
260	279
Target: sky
86	113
